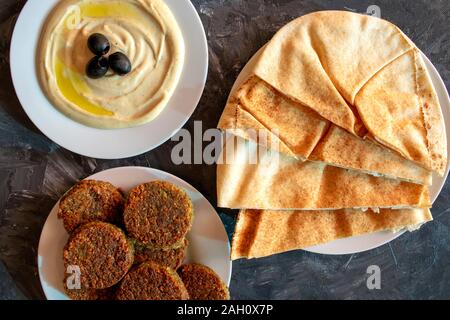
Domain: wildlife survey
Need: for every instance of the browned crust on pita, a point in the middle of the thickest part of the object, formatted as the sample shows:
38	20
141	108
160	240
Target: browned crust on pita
299	136
400	109
256	105
263	233
433	119
320	60
237	121
245	233
342	149
279	182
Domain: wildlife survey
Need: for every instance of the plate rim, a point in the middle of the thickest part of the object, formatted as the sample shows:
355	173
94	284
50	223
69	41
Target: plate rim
152	171
100	151
389	236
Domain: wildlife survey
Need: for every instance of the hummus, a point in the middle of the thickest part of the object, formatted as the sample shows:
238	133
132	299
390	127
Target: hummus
144	30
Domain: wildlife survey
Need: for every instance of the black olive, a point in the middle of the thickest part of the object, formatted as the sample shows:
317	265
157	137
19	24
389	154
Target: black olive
97	67
98	44
119	63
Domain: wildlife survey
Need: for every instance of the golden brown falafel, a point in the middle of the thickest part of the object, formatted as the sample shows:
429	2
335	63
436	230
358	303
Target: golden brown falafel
169	257
158	213
151	281
90	200
102	253
203	283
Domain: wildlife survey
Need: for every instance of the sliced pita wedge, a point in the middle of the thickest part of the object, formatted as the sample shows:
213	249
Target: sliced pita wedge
361	73
400	109
322	60
264	233
256	105
342	149
278	182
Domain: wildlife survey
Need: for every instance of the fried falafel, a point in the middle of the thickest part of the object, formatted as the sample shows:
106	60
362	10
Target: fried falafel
151	281
203	283
169	257
102	253
90	200
158	213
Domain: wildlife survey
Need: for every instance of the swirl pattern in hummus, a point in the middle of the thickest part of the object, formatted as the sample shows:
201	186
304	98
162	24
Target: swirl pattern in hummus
144	30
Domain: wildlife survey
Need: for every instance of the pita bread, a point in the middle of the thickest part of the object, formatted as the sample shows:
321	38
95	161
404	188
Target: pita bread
256	105
362	74
278	182
264	233
400	109
322	60
342	149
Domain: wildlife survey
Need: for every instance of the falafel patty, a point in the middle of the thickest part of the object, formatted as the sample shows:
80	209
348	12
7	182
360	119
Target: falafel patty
203	283
151	281
172	257
102	252
158	213
90	200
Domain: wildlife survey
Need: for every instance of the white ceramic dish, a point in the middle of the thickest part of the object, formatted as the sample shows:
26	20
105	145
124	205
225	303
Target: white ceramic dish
208	240
374	240
97	143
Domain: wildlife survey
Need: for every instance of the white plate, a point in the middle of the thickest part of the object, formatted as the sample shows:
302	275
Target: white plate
97	143
208	240
374	240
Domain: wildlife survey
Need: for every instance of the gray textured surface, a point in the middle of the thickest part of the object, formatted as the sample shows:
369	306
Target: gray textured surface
34	172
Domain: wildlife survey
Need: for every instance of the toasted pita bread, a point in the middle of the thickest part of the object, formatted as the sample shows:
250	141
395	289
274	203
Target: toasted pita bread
235	120
256	105
342	149
278	182
400	109
361	73
263	233
322	60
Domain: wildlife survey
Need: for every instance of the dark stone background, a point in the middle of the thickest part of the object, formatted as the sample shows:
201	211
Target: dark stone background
34	172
